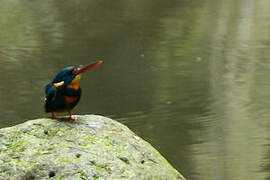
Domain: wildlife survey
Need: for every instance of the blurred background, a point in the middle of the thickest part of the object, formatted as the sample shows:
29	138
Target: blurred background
190	77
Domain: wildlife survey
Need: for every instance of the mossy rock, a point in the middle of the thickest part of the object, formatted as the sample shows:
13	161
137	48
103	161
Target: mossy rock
92	147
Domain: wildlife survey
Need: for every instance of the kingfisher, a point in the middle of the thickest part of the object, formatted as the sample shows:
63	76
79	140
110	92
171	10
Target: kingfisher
63	92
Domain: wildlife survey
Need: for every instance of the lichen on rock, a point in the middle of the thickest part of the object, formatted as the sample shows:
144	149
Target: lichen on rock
92	147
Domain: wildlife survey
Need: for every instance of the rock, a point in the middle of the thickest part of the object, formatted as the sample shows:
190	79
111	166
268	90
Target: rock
92	147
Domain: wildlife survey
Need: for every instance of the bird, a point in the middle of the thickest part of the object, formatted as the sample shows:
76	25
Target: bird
63	92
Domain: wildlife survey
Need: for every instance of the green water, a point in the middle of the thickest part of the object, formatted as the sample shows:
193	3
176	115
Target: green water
190	77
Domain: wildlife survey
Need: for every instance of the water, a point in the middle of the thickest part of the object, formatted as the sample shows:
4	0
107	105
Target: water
190	77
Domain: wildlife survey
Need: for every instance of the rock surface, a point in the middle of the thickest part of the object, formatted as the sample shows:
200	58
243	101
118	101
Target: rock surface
92	147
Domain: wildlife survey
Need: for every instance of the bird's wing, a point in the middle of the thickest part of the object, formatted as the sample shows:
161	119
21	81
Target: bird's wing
50	92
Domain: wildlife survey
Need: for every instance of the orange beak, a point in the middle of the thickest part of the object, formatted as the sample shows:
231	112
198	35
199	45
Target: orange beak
88	67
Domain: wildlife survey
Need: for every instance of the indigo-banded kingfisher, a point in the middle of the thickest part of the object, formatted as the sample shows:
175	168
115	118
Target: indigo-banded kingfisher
63	92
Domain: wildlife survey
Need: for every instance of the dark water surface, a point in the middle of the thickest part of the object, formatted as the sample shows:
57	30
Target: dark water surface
190	77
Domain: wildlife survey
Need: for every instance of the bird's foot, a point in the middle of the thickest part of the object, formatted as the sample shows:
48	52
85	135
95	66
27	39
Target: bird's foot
53	116
70	117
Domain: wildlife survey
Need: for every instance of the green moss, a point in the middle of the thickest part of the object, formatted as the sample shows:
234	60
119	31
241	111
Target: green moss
36	147
20	163
18	145
63	160
50	147
100	167
106	142
57	131
127	173
85	139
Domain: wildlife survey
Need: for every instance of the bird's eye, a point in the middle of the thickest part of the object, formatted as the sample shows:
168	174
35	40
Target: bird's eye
74	70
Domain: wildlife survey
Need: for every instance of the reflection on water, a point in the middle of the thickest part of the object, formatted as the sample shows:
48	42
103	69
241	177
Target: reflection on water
189	77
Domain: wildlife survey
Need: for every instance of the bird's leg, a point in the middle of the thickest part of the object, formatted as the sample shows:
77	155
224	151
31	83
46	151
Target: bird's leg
70	116
53	115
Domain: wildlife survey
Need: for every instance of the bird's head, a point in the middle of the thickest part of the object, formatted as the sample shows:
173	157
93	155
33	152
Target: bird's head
72	75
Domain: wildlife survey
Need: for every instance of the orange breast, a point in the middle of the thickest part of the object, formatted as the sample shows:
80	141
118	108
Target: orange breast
70	100
73	86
